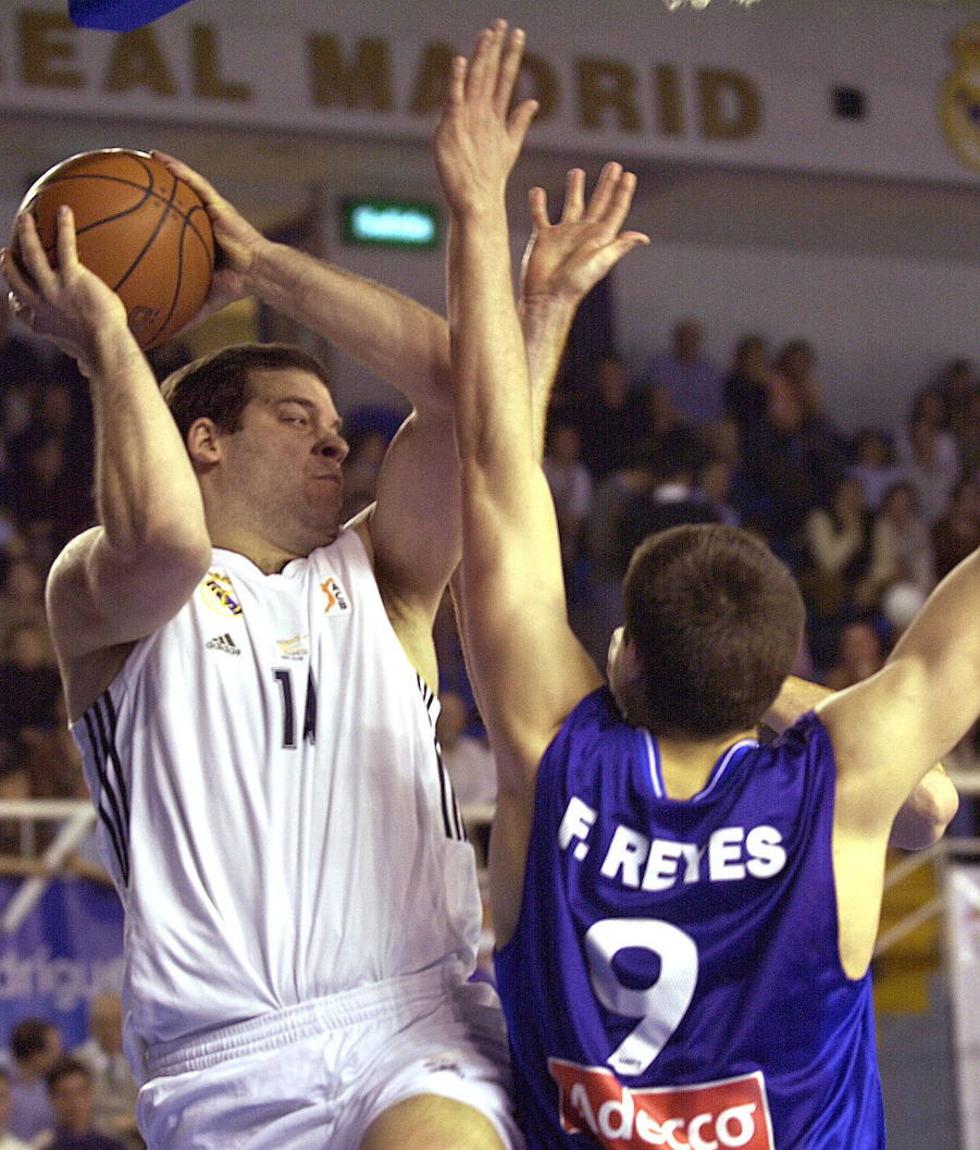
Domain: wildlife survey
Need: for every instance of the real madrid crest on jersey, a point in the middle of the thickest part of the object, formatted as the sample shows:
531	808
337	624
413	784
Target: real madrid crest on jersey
960	107
218	592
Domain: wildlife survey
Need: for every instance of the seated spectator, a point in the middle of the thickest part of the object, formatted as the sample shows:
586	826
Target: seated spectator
929	456
901	546
860	654
72	1093
29	691
22	601
744	391
7	1140
35	1047
688	377
796	361
611	420
837	546
714	487
673	498
23	370
956	533
114	1109
43	495
874	465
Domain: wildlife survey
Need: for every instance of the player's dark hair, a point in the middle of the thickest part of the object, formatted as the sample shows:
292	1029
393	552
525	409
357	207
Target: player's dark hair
717	622
29	1036
217	386
66	1068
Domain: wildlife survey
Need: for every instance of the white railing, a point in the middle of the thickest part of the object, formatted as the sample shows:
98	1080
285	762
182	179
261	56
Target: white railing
77	817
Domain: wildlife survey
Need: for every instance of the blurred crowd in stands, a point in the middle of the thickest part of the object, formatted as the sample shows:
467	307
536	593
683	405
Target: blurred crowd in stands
868	522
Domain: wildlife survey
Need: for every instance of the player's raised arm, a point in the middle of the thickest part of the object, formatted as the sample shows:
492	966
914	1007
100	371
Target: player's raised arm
891	728
117	582
527	666
927	811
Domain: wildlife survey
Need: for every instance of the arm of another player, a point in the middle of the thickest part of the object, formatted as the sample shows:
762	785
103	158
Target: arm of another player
114	583
926	813
528	668
889	729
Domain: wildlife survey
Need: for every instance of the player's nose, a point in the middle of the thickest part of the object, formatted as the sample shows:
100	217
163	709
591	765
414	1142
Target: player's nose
332	447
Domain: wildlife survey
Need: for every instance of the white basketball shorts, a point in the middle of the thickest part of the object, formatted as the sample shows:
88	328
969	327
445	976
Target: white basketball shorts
318	1074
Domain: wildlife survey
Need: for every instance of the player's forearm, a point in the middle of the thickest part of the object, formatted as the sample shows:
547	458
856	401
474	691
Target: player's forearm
927	812
545	324
489	359
145	488
396	338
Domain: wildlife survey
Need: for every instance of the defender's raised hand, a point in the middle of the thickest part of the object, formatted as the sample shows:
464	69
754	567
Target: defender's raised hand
565	260
479	138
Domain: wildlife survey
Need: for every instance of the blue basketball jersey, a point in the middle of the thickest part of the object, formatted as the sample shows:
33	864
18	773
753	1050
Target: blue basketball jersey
674	980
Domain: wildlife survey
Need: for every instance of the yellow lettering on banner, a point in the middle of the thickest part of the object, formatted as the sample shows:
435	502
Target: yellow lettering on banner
607	84
729	103
544	85
208	82
429	90
670	103
137	62
41	47
364	84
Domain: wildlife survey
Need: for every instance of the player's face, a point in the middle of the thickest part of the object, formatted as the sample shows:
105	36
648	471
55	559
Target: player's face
286	459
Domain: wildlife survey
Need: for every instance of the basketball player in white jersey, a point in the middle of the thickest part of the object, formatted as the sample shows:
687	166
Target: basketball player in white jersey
252	687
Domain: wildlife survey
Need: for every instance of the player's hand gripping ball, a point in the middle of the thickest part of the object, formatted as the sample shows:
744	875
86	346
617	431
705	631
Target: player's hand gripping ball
139	228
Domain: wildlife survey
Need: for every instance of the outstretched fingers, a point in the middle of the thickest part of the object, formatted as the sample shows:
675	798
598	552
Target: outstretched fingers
537	202
481	79
604	191
508	70
574	204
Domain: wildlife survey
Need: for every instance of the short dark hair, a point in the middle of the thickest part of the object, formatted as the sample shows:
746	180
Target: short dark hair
717	622
29	1036
65	1068
216	386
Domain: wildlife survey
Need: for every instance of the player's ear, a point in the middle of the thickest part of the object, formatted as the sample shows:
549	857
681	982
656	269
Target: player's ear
203	442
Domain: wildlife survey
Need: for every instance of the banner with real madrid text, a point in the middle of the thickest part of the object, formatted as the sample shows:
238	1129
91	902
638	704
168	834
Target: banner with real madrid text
875	88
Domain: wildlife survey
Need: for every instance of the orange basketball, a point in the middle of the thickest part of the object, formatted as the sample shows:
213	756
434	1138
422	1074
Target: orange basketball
140	229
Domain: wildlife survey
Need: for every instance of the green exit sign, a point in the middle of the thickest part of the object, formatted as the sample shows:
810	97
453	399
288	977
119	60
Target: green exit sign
392	223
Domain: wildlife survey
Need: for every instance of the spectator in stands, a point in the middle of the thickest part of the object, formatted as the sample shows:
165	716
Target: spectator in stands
874	465
72	1093
714	487
44	494
689	378
611	419
571	488
860	655
787	468
744	391
968	437
7	1140
796	361
22	601
929	455
837	547
23	371
956	384
35	1047
114	1108
956	533
672	499
29	690
901	546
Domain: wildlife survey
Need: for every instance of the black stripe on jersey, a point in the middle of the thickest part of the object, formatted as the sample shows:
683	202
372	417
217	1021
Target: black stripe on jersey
452	819
103	749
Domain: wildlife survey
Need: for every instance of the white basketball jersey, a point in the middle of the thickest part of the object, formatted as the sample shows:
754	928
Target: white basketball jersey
272	804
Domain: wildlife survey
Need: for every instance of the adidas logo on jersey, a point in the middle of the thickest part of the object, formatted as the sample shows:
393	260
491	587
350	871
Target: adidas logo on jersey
223	643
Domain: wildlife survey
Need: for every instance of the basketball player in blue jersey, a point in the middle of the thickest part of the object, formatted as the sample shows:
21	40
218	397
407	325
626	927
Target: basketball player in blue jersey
251	683
684	918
